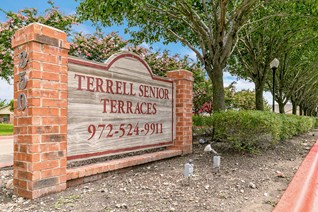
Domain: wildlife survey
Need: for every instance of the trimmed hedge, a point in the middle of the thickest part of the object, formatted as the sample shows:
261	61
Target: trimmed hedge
250	131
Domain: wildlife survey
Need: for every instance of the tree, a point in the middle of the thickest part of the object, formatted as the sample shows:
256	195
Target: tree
3	102
209	28
11	105
282	29
297	70
15	21
97	47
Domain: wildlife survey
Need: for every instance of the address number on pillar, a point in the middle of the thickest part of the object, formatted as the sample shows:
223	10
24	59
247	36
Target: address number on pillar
23	59
23	80
22	101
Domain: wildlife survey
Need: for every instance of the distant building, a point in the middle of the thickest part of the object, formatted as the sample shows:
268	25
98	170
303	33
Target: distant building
6	116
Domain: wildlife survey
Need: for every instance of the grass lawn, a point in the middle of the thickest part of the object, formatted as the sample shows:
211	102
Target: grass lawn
6	129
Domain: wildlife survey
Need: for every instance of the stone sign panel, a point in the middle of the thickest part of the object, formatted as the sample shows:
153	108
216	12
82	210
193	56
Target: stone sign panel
117	107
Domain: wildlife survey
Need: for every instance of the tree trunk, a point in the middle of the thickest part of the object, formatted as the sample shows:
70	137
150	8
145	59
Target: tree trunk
294	107
218	88
300	110
281	106
259	101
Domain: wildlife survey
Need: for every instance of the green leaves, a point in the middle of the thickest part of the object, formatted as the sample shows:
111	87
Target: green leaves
209	28
15	21
251	131
285	32
3	102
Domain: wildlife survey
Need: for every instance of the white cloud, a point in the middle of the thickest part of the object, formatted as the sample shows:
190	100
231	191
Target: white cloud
70	12
83	28
187	51
269	97
6	90
228	78
244	85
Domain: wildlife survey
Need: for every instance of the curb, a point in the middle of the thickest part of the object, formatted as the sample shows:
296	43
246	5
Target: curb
301	194
4	137
3	165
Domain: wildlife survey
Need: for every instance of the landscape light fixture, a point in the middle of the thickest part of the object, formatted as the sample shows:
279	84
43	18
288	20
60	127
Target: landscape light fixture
274	65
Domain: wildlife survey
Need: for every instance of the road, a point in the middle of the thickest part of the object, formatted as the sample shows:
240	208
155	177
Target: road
6	151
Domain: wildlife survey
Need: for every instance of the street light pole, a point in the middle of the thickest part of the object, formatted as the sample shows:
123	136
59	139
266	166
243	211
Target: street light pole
274	65
274	69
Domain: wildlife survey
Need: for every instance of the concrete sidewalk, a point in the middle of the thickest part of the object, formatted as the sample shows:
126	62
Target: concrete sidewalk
6	151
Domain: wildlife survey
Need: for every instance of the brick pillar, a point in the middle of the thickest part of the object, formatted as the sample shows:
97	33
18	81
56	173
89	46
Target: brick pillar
40	130
183	82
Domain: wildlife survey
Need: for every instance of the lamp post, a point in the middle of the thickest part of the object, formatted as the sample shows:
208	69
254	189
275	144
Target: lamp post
274	65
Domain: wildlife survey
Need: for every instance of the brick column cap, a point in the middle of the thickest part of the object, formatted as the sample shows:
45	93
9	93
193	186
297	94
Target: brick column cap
181	75
40	33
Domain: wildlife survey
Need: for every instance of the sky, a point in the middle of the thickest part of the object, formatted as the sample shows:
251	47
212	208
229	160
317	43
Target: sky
69	7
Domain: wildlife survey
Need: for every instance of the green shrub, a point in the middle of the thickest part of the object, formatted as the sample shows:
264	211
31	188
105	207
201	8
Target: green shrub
250	131
289	126
304	124
198	121
247	130
316	122
6	129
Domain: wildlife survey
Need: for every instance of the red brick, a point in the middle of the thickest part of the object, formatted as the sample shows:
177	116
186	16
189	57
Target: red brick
54	103
64	78
56	138
51	85
63	95
44	165
54	33
23	193
63	112
49	67
49	147
50	76
16	147
34	83
43	57
52	155
43	111
33	148
20	165
34	65
28	138
43	129
23	148
62	179
63	160
55	120
51	50
32	158
63	146
35	74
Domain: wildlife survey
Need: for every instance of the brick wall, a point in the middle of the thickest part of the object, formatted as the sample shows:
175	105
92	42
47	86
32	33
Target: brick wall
183	85
40	130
